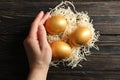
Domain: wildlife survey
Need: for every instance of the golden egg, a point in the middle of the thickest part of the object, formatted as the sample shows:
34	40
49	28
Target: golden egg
60	49
55	24
80	36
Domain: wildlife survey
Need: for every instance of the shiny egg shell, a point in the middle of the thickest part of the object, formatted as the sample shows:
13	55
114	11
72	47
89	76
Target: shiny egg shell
80	36
56	24
60	49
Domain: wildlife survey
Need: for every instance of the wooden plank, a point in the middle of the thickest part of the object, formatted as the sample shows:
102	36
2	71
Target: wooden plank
90	68
54	0
109	38
106	22
87	75
31	8
15	26
12	51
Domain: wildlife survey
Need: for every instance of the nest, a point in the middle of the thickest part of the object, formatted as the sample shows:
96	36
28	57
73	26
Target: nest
74	18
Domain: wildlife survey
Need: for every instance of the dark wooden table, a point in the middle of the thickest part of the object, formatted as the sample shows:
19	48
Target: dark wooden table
15	20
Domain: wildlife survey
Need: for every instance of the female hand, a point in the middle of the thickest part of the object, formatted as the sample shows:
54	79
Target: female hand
37	47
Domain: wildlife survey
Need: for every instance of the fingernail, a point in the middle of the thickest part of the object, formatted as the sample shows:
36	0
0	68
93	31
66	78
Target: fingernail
48	13
42	12
41	27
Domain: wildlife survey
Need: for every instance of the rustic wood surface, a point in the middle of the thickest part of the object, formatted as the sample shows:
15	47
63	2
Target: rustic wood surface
15	20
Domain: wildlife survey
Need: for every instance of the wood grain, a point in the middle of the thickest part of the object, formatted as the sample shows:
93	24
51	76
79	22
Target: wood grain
55	0
108	9
16	18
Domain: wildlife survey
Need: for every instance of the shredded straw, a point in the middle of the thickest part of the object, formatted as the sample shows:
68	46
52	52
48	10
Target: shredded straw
74	19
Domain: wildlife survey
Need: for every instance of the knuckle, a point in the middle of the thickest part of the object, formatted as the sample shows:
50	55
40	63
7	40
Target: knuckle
47	47
27	41
33	24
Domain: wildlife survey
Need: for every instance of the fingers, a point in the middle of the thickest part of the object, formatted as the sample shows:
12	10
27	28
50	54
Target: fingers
42	35
35	24
37	30
42	32
47	15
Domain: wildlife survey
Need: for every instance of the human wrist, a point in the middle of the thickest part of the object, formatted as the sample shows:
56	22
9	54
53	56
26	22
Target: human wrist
38	73
42	69
38	65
